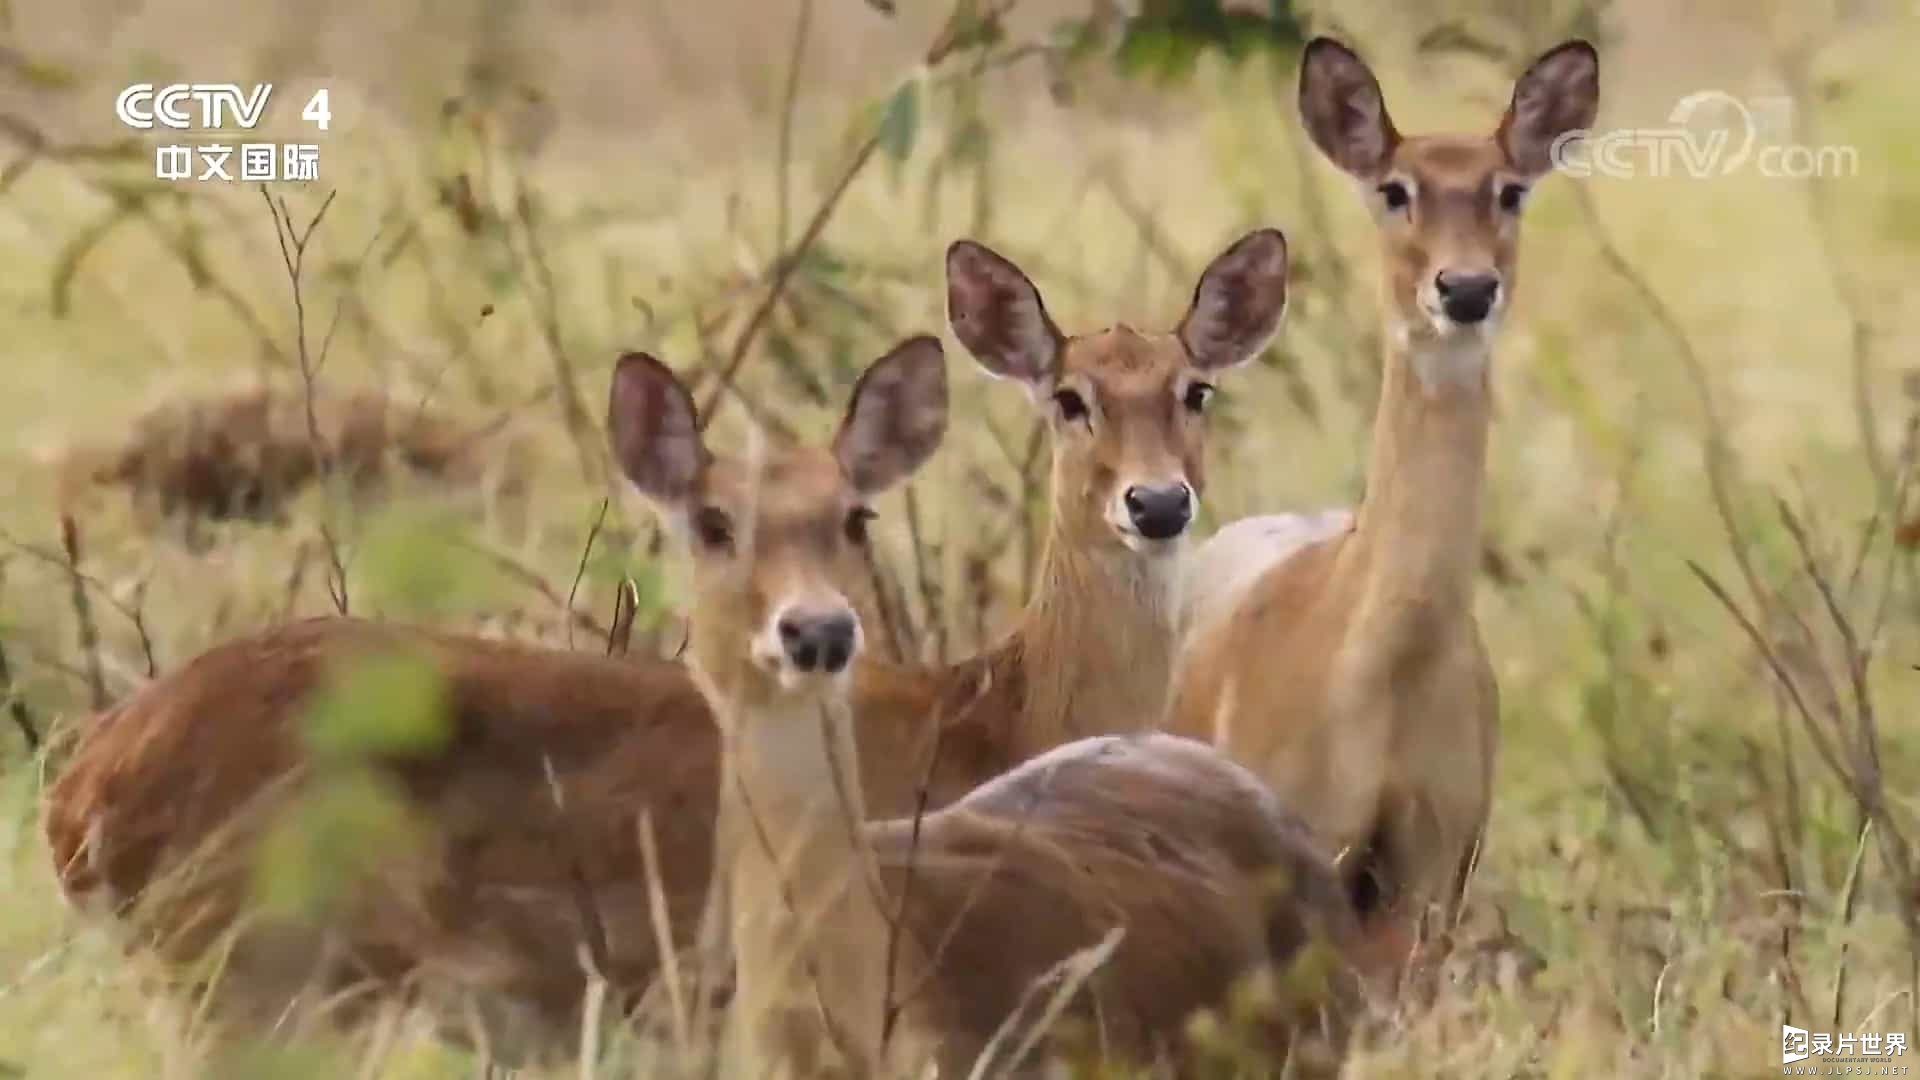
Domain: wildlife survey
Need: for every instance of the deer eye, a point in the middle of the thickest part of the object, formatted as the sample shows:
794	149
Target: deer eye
1395	194
1072	406
1511	196
856	524
1197	396
714	528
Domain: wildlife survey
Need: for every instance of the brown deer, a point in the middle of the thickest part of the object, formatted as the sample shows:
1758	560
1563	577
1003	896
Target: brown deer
555	757
247	453
839	924
1127	411
1347	668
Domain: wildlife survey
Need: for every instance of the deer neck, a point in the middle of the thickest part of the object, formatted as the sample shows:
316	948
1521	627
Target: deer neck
1095	643
1417	537
808	922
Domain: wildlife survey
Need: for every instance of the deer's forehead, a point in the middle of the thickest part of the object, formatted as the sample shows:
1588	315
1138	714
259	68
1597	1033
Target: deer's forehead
788	485
1450	162
1124	364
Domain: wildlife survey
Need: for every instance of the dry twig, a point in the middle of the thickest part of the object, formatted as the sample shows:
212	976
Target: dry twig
83	612
293	254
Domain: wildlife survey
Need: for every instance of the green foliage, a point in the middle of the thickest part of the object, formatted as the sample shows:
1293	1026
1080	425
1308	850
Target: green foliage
411	563
390	703
345	827
1166	40
347	821
900	124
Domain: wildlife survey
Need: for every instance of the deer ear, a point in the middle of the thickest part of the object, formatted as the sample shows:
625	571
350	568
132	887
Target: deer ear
651	426
1558	94
1344	113
997	314
897	416
1238	304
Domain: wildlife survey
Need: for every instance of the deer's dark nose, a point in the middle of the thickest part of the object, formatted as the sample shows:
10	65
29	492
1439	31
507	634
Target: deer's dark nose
822	640
1467	297
1160	513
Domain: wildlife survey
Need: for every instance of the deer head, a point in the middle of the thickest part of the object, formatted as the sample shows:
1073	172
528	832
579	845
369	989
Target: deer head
776	536
1127	409
1448	206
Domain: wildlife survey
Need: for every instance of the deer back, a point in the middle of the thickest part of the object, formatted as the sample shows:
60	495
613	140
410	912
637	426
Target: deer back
1211	879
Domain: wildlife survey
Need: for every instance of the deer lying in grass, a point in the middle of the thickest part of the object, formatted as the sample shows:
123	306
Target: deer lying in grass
555	757
1349	670
248	453
953	917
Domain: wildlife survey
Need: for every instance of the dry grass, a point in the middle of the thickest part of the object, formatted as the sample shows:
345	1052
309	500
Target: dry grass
1674	864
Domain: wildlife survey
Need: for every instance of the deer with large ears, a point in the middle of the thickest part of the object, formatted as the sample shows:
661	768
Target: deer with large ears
953	918
1346	667
177	781
1127	409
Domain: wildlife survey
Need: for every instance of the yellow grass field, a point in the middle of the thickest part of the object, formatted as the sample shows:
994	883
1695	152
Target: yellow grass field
1694	369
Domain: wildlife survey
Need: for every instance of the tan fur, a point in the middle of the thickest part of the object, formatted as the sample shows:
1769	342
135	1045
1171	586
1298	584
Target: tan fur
1093	649
1211	882
1352	675
214	745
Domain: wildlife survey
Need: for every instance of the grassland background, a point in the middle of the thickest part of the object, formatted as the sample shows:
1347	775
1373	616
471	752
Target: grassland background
1662	823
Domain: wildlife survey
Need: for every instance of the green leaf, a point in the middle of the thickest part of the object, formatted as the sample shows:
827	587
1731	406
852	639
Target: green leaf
900	124
1157	50
387	703
412	563
344	827
607	565
1166	41
649	591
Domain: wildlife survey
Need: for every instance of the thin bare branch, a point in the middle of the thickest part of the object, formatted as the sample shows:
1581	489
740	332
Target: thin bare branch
953	35
60	560
293	255
1822	742
930	590
783	149
1719	454
586	553
17	705
531	578
83	612
545	301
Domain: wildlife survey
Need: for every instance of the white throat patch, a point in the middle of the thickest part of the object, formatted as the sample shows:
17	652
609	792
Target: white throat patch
1455	358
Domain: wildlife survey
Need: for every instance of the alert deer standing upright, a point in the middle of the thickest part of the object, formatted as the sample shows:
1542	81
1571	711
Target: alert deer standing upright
955	917
175	782
1350	671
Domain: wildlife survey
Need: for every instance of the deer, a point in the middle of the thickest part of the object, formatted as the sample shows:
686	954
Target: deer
937	927
557	758
1337	653
246	453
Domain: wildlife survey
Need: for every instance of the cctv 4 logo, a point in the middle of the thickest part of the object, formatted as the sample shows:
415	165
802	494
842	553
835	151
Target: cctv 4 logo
143	105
